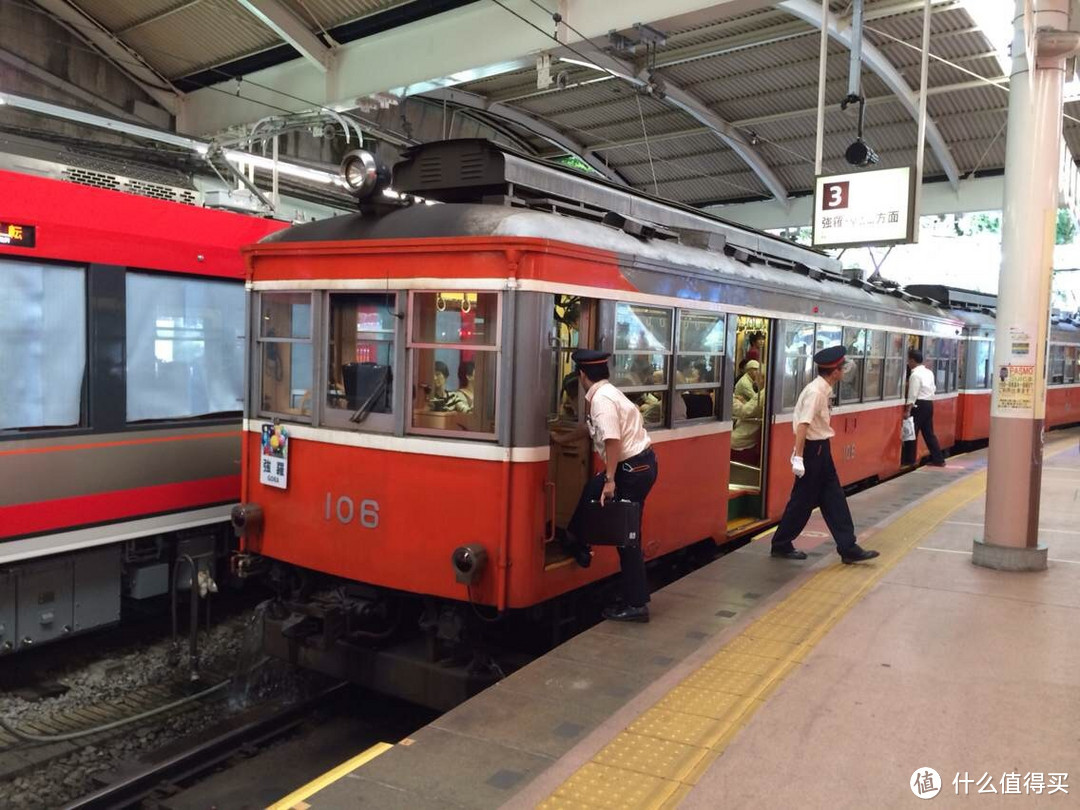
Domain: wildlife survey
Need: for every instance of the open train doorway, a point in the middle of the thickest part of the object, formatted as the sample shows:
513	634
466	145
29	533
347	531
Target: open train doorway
750	415
573	326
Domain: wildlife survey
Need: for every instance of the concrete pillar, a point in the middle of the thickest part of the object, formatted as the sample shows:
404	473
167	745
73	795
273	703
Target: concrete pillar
1011	539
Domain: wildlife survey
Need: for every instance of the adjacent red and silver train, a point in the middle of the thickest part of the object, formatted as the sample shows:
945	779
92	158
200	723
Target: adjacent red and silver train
409	364
121	387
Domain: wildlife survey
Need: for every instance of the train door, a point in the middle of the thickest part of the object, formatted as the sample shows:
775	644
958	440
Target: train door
909	449
574	321
750	415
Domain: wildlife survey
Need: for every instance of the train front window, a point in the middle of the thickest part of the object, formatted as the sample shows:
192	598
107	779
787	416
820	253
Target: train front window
285	354
360	360
42	345
454	356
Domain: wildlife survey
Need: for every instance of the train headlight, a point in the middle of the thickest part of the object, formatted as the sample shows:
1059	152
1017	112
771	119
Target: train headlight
363	174
469	562
247	519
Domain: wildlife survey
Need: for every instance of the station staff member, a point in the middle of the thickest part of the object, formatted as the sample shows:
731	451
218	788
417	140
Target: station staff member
920	404
816	482
619	436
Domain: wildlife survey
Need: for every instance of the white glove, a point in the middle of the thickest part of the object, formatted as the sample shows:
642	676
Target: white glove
797	466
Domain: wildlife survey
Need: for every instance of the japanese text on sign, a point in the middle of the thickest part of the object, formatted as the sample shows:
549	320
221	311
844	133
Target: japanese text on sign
864	208
274	458
1016	388
17	235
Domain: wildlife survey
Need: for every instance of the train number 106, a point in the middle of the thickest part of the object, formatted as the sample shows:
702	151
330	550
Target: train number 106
346	510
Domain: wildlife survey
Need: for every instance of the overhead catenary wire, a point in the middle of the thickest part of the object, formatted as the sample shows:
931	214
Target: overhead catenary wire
648	149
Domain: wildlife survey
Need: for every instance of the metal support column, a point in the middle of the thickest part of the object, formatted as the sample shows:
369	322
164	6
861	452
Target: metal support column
1033	146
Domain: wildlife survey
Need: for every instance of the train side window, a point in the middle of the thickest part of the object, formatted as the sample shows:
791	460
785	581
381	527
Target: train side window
642	360
984	350
185	347
285	354
454	335
895	365
360	360
1070	363
851	384
1057	364
43	345
825	337
699	351
798	361
954	364
875	362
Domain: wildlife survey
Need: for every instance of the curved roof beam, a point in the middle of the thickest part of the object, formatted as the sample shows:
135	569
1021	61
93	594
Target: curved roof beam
282	21
809	11
120	55
696	109
475	101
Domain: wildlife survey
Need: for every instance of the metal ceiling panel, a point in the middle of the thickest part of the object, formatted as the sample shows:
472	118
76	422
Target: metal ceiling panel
207	33
322	14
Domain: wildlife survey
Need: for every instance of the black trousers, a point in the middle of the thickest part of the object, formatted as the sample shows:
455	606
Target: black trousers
819	486
634	478
923	415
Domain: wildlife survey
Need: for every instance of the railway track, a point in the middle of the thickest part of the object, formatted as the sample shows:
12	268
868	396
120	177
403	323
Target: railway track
242	735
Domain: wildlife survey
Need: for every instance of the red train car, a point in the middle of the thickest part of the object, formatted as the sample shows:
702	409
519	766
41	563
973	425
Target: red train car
409	366
121	336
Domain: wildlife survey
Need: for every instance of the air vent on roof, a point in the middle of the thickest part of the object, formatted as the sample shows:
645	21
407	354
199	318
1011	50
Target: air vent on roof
85	177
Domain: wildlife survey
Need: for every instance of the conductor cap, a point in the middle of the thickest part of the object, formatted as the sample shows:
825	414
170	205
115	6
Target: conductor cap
830	358
589	357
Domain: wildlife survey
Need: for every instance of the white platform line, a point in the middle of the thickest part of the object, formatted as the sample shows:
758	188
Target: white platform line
980	525
958	551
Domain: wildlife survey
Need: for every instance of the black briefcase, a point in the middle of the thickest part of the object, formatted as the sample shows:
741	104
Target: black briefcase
616	523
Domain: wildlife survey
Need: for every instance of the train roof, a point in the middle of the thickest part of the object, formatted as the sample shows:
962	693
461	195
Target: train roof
454	220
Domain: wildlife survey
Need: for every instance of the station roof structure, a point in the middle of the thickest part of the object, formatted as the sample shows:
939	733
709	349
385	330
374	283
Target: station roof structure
701	101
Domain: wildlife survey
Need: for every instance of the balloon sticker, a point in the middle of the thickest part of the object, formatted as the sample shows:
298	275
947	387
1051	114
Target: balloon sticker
274	463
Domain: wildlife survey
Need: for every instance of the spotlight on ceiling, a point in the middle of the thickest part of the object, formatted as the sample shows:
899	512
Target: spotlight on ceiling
861	154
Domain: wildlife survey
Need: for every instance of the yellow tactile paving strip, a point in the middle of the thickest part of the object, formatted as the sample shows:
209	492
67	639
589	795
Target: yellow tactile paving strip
657	759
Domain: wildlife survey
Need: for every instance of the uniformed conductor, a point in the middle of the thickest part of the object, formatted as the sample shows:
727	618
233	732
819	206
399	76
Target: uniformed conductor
619	436
816	482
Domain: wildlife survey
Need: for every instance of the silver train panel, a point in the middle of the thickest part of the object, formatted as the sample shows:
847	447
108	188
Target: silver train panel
62	467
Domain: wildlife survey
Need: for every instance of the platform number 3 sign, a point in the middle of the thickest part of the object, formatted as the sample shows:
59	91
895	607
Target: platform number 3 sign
835	196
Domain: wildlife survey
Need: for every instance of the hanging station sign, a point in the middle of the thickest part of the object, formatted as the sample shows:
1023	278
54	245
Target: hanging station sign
864	209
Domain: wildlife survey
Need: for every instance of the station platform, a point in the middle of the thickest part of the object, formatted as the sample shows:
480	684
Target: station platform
772	683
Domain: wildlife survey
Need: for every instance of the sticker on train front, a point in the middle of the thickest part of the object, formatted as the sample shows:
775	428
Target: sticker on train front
274	462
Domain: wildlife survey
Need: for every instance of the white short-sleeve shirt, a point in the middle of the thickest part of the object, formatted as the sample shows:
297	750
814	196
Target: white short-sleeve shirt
613	416
812	410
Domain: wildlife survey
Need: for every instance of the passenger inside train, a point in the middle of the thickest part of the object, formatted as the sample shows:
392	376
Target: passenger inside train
455	332
747	407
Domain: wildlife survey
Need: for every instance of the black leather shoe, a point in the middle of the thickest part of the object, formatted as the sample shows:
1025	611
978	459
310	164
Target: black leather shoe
789	553
627	613
936	464
858	554
581	553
